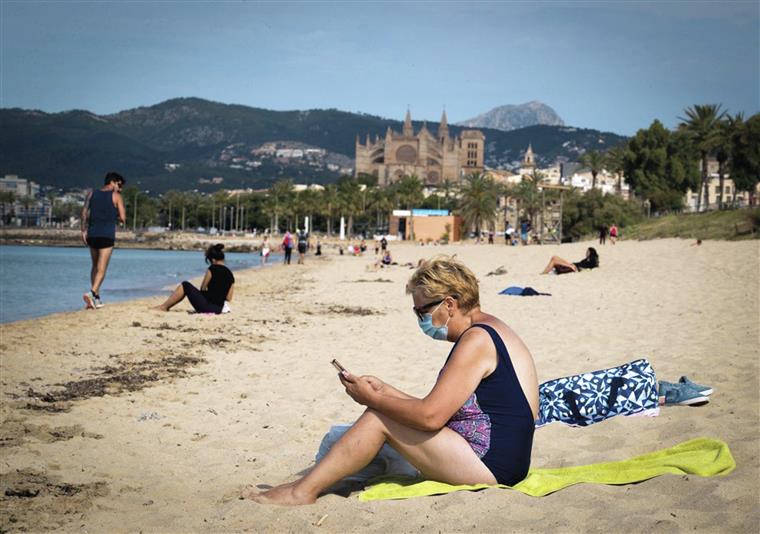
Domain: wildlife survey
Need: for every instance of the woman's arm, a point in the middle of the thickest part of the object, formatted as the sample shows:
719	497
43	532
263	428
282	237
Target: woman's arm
228	298
206	280
386	389
473	359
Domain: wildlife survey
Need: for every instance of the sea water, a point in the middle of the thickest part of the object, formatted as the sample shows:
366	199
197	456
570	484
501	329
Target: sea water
36	281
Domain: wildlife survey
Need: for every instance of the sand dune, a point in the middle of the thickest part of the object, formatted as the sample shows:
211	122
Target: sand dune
124	419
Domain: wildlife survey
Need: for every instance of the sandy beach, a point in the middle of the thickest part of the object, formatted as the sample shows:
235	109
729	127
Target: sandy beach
126	419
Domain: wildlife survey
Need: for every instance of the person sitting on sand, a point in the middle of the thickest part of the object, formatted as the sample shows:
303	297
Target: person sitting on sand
216	288
474	427
562	266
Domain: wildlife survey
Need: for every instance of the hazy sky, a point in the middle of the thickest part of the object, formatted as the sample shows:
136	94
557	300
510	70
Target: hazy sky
613	66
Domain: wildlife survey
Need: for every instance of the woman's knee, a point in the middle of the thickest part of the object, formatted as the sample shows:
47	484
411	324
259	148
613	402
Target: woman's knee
373	417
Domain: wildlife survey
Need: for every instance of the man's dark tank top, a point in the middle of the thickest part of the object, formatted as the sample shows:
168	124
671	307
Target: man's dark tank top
103	215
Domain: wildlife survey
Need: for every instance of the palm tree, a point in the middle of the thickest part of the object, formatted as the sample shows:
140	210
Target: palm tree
702	125
527	196
7	198
448	189
329	204
349	201
218	201
727	130
381	200
595	161
409	194
615	162
279	202
478	200
305	205
27	202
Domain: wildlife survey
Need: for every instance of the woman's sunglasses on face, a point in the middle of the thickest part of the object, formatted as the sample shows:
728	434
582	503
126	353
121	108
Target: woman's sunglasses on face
423	309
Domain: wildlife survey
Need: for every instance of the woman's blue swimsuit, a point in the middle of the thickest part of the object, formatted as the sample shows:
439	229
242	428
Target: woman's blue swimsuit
497	420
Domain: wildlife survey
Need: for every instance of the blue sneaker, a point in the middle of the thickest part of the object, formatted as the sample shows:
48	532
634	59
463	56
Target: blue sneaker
704	390
682	394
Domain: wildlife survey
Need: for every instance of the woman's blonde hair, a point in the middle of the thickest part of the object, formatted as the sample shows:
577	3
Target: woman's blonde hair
444	276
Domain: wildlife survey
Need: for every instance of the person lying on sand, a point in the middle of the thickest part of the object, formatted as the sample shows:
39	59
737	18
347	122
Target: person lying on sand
562	266
475	426
216	288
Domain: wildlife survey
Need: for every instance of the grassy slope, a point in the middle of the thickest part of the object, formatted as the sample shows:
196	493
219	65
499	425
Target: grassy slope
711	225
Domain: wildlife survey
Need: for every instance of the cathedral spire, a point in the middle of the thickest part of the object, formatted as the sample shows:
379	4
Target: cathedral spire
529	160
443	128
408	129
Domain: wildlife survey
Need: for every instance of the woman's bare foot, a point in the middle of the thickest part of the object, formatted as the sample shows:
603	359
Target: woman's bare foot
284	495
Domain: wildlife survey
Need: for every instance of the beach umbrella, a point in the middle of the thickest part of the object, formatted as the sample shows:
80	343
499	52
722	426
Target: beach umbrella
342	228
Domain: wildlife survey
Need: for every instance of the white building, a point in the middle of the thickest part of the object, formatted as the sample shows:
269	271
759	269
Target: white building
21	187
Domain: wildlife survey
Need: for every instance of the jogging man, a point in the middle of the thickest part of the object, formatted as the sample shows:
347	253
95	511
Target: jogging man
99	215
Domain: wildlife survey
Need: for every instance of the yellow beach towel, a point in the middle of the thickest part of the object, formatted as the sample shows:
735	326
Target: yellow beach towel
702	456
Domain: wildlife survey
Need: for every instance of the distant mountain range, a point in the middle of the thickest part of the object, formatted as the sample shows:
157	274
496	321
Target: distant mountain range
190	143
514	117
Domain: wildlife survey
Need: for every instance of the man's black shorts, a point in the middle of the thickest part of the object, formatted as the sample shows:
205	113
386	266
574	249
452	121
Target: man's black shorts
100	242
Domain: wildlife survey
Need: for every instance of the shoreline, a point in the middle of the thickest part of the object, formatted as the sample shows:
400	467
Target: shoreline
164	291
198	407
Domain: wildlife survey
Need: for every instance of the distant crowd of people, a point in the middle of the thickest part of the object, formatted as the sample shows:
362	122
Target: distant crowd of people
104	208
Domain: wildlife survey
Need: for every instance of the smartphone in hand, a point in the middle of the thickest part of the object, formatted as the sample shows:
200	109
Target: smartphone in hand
339	367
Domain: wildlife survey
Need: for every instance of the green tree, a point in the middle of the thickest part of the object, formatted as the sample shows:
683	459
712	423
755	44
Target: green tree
279	200
63	211
7	201
141	210
726	129
219	200
584	213
745	152
615	162
702	125
478	201
527	196
595	161
349	201
659	166
27	202
381	201
409	194
328	205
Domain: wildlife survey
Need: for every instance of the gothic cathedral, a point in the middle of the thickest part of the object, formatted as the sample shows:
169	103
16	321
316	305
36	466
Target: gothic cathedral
433	159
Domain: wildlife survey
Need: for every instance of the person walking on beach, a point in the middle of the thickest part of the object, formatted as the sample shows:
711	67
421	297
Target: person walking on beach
602	234
524	228
287	247
216	288
613	233
101	210
474	427
303	244
265	250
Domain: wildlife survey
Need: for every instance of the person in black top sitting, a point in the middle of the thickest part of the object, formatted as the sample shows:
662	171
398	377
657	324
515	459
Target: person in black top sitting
217	286
562	266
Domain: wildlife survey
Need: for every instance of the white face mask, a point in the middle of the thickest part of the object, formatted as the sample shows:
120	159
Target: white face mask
436	332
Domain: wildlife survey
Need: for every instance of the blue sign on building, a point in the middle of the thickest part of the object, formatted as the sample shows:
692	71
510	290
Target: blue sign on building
430	213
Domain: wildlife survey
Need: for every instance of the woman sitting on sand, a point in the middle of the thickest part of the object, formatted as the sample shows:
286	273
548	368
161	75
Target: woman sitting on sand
562	266
475	426
217	286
